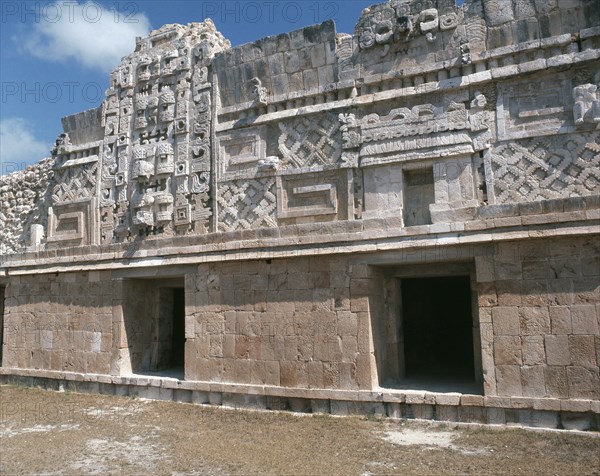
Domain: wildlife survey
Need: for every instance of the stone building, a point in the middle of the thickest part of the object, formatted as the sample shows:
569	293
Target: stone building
403	221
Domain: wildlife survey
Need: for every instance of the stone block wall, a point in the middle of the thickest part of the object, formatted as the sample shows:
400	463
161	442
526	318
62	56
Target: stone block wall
301	60
523	20
539	306
134	326
59	322
300	322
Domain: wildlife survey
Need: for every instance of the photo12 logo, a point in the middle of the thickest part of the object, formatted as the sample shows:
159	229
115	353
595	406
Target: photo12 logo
269	11
8	167
68	11
51	92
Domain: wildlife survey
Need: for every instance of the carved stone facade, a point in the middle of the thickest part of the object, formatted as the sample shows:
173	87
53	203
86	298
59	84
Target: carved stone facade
247	204
546	168
159	160
283	218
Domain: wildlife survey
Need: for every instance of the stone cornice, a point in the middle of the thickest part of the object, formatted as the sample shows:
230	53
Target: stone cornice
495	224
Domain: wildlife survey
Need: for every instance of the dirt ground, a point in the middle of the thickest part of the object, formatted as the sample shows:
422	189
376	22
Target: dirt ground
52	433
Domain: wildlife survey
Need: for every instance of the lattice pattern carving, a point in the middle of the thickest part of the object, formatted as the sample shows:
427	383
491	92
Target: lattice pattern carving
247	204
75	183
547	168
310	140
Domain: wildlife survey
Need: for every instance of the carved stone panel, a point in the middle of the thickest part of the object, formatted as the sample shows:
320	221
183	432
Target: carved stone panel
423	132
247	204
531	108
587	104
157	165
75	181
546	168
312	197
310	141
72	224
240	153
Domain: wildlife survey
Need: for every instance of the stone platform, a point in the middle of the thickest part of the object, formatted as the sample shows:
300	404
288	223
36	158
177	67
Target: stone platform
404	404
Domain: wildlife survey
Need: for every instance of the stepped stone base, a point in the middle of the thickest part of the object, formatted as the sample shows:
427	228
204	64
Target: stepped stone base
583	415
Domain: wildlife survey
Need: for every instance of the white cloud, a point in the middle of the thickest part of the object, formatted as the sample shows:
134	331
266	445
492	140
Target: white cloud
88	33
18	145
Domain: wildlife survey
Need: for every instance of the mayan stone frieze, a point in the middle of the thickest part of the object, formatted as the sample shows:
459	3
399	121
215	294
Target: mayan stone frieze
156	150
247	204
310	141
75	184
546	168
394	26
421	132
187	118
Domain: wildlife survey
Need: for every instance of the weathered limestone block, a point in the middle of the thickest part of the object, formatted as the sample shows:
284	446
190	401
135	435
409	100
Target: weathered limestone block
583	351
557	350
506	321
533	350
533	381
507	350
508	380
556	381
584	319
583	382
534	320
534	293
509	292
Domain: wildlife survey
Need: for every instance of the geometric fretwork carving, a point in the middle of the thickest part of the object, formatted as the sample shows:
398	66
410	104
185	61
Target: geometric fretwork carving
75	183
548	167
310	140
247	204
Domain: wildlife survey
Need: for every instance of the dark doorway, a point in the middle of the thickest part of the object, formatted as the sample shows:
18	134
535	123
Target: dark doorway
154	319
169	331
178	335
437	326
1	322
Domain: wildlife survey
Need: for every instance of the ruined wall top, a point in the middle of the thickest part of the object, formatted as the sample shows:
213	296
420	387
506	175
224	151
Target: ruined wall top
197	138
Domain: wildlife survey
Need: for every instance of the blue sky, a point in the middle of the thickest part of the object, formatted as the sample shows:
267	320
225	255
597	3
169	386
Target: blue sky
55	57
